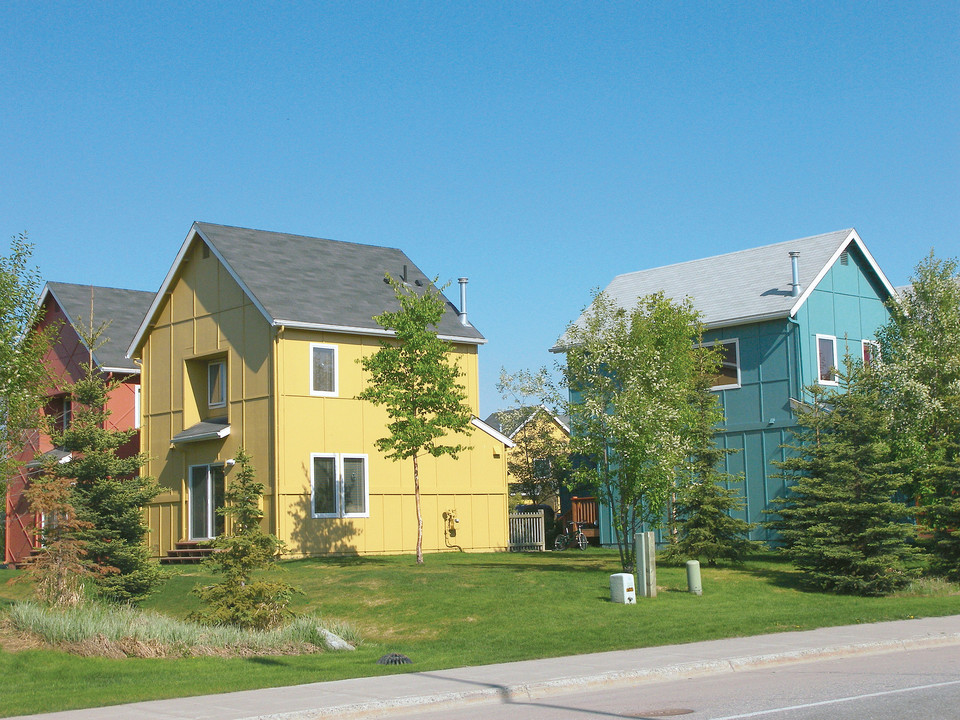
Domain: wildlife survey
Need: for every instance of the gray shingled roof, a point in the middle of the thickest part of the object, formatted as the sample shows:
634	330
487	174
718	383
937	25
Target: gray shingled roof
742	286
123	309
298	279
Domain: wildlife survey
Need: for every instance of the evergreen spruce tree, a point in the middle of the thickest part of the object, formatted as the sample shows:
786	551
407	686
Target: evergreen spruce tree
108	491
841	522
706	530
238	599
109	494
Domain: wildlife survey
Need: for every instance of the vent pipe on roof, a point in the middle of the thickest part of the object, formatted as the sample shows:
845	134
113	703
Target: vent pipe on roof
463	301
795	262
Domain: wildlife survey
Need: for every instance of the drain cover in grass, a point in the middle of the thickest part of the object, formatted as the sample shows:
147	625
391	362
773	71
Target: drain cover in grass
394	659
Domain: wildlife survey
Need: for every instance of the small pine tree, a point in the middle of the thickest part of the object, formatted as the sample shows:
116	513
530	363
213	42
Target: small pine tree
840	521
58	569
108	494
706	528
238	599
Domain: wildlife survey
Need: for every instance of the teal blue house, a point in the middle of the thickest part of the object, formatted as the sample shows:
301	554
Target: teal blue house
786	316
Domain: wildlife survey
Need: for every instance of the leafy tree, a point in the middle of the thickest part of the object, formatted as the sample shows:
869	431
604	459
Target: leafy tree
919	376
706	528
238	599
631	375
413	377
109	492
23	374
840	521
539	463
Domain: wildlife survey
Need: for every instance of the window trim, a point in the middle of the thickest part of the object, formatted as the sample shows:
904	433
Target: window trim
833	365
136	406
336	367
223	384
875	352
736	344
339	494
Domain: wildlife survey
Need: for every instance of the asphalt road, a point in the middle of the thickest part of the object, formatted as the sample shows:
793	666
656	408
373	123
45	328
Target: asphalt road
923	684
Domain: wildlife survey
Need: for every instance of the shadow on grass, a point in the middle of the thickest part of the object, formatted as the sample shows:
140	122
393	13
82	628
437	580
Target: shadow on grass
342	561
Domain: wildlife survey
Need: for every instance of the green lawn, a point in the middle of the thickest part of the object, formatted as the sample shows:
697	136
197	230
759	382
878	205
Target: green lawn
455	610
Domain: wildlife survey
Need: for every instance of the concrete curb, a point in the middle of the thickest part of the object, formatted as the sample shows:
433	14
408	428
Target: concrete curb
535	690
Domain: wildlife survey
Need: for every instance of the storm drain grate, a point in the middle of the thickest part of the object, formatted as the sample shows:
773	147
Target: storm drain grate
394	659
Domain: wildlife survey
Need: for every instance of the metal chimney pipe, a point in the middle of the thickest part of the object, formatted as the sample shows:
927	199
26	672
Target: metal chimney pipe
463	301
795	262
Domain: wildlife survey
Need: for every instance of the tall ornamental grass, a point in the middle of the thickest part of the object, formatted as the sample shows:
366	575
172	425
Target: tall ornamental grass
116	624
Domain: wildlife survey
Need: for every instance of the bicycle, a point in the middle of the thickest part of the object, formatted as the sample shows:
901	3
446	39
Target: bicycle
571	536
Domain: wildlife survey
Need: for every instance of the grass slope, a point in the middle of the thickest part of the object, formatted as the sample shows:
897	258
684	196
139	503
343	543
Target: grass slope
456	610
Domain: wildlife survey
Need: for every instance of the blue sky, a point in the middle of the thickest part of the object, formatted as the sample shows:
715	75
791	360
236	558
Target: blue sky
537	148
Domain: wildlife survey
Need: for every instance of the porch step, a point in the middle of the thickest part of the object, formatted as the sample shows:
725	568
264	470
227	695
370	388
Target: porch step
188	552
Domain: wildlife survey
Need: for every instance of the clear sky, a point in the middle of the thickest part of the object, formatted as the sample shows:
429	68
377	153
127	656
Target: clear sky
538	148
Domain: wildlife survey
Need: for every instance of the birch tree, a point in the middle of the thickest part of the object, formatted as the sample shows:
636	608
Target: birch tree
631	374
413	377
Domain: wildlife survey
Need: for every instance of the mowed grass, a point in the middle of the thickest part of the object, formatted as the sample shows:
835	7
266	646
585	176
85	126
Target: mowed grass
456	610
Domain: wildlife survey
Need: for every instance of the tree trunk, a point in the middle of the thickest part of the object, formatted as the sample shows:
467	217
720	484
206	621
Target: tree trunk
416	494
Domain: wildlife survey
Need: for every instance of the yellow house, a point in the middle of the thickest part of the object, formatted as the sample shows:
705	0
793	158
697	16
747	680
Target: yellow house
537	433
253	341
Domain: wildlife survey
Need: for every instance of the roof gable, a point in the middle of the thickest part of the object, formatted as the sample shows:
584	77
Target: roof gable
311	283
122	309
745	286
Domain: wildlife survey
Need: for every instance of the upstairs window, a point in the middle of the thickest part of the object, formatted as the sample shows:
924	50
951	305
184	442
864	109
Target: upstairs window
323	370
67	413
827	359
871	352
728	374
216	384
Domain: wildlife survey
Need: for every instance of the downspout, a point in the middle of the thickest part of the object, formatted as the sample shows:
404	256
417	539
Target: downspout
275	439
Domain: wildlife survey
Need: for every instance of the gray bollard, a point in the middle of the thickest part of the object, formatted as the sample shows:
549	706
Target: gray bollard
693	577
646	553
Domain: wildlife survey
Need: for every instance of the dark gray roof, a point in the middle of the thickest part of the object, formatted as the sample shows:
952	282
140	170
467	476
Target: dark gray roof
744	286
213	429
306	280
124	310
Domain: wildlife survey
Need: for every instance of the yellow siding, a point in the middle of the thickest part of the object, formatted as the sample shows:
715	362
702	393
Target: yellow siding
206	315
474	485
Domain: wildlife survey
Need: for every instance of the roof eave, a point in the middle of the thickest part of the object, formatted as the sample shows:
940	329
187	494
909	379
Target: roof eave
355	330
495	434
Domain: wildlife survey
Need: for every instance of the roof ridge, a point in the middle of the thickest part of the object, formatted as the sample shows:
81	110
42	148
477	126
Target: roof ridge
99	287
296	235
845	231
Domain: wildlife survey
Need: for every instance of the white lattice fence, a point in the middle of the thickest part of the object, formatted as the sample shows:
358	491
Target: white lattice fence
527	532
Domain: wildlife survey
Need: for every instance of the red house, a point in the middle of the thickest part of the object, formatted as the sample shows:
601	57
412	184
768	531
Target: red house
70	306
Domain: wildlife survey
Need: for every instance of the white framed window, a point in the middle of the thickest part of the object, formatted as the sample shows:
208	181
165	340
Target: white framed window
323	370
217	384
339	486
826	359
870	352
728	374
136	406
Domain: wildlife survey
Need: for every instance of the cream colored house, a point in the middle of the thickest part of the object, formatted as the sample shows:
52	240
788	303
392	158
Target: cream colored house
253	341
